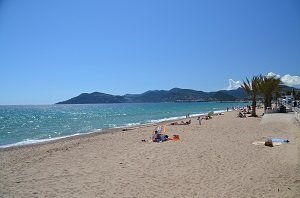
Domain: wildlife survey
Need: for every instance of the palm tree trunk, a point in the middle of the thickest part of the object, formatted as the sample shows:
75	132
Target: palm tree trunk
267	101
253	114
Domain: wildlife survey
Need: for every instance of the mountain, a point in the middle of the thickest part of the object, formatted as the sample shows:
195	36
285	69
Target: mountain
223	96
173	95
285	88
94	98
230	95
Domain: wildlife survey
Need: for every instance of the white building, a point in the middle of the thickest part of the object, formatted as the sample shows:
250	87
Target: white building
287	99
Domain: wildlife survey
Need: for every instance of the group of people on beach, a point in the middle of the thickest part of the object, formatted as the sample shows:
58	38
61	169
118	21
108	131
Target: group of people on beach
200	118
181	123
243	111
158	137
161	137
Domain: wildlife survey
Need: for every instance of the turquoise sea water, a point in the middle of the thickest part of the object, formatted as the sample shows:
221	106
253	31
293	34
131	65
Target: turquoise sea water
20	125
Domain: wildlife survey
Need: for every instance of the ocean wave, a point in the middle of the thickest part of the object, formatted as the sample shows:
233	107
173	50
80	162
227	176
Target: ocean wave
220	111
28	142
38	141
82	119
120	114
112	125
132	124
197	114
166	119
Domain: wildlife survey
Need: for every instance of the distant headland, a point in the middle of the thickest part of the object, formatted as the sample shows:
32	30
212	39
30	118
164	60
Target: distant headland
156	96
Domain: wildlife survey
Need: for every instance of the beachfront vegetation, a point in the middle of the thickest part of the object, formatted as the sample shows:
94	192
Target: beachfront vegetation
268	87
252	89
297	95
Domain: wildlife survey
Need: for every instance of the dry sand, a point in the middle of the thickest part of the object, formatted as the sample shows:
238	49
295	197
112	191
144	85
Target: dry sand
216	159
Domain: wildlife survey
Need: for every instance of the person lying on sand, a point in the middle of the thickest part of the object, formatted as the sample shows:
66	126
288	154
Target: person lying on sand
181	123
174	123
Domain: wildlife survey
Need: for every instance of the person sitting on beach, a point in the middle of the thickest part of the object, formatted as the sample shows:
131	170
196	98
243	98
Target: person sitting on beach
241	115
156	137
207	117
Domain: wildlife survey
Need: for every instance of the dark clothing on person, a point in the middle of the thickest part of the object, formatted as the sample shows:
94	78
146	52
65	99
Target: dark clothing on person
156	137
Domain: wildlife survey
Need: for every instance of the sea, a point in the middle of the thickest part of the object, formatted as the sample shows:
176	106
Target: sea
32	124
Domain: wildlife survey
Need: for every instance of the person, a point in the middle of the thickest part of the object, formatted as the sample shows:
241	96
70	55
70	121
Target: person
207	117
241	115
164	137
174	123
156	137
199	118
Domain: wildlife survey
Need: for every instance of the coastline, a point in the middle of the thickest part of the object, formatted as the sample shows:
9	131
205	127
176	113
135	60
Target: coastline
215	159
102	131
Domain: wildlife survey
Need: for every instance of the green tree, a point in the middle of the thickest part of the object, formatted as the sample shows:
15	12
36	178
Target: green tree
277	95
297	95
252	89
268	86
294	92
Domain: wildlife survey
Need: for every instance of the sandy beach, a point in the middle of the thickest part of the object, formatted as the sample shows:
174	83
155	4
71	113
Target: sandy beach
215	159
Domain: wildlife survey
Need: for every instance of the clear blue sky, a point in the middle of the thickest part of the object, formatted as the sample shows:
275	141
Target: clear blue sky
53	50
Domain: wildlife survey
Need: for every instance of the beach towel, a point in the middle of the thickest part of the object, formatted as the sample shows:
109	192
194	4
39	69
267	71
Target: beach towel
175	138
263	143
280	140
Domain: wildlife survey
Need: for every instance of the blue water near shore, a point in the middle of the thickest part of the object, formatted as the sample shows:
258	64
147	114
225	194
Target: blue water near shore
21	125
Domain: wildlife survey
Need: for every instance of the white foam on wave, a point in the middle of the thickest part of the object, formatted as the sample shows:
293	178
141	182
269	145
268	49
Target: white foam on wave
121	114
132	124
167	119
35	141
220	111
112	125
198	114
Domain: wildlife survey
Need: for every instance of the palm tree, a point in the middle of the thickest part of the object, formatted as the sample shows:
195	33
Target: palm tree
268	86
252	89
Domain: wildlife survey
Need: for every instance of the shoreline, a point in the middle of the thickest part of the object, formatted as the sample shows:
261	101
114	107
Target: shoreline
87	135
19	145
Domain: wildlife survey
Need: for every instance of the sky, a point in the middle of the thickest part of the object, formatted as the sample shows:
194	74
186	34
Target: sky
51	51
